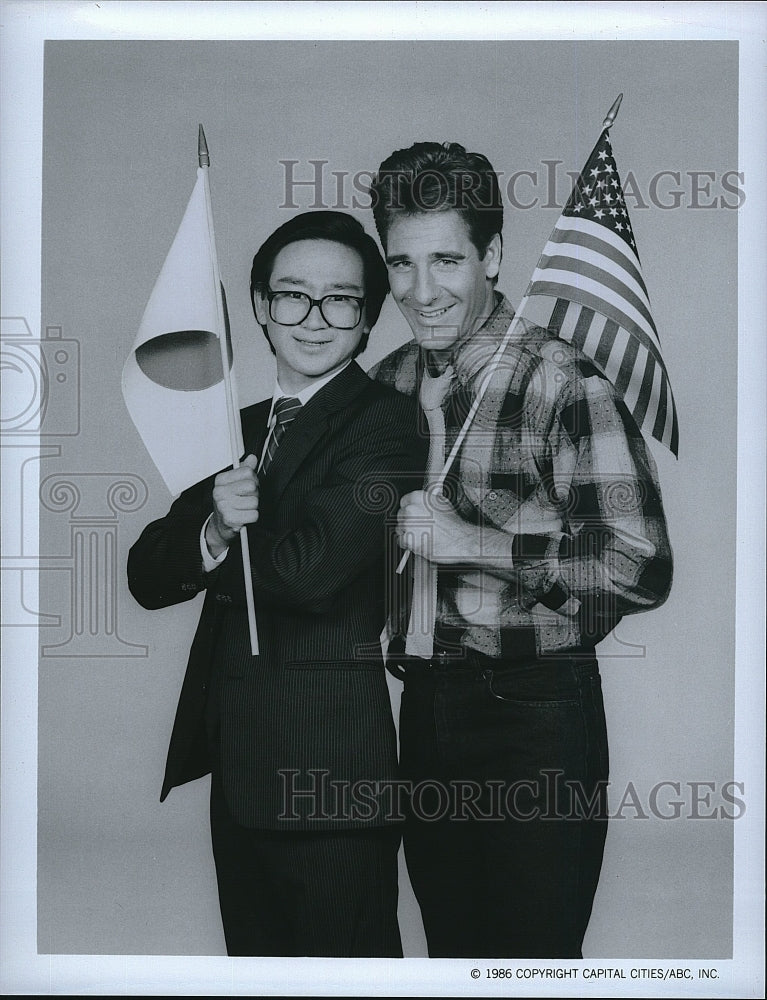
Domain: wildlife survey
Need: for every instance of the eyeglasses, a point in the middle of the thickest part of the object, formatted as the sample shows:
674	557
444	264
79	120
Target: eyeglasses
291	308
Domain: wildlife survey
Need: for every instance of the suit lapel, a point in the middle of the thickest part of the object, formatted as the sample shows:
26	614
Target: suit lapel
310	425
254	427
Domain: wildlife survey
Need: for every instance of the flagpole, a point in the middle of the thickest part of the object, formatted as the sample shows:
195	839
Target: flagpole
494	362
439	482
233	416
612	114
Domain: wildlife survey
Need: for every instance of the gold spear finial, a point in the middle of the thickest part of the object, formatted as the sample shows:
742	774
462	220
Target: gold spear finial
612	114
202	149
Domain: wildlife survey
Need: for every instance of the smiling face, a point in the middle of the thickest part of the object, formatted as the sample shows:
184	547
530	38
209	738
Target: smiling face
442	286
313	348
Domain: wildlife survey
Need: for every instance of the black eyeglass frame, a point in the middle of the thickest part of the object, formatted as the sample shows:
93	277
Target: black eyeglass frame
271	295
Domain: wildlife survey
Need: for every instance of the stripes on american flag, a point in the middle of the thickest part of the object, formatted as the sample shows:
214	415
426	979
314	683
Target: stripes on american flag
590	265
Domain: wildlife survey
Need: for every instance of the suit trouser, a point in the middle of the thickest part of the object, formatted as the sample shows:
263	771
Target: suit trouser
509	767
323	893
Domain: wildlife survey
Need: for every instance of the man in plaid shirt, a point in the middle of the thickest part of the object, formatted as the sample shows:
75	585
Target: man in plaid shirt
549	528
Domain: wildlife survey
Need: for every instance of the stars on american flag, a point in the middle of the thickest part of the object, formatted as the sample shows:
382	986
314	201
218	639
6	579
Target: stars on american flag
590	275
598	195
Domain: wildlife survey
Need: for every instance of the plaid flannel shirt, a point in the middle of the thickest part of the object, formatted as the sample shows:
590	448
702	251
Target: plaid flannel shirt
555	461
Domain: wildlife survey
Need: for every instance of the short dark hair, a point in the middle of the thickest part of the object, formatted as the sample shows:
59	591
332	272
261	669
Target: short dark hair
338	227
434	177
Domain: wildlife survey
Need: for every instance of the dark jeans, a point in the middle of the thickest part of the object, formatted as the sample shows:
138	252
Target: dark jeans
507	822
317	893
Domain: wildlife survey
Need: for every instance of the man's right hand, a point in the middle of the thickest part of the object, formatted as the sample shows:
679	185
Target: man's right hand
235	503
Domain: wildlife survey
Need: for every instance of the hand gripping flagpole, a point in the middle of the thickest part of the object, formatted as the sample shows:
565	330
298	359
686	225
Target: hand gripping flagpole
438	484
232	412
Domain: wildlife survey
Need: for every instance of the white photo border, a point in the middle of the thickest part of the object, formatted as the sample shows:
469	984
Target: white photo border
26	25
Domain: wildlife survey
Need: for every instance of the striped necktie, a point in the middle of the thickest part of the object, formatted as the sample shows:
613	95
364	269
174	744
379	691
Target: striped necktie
285	410
423	611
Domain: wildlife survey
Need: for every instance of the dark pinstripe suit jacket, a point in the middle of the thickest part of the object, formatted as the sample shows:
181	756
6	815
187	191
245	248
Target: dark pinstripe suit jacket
315	699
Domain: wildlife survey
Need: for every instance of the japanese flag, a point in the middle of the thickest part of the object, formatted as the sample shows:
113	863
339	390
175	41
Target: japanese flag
173	381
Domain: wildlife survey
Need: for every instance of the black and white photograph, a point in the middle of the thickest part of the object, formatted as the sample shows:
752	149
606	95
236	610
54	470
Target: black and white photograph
383	461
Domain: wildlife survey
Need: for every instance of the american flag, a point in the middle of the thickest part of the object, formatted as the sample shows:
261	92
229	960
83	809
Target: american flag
591	266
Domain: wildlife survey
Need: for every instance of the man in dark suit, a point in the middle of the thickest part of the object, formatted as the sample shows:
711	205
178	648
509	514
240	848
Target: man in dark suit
299	739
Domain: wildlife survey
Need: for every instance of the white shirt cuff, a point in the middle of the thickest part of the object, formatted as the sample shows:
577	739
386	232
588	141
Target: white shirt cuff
209	563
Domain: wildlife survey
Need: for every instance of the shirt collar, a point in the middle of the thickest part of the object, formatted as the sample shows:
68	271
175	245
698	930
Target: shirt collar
473	353
305	394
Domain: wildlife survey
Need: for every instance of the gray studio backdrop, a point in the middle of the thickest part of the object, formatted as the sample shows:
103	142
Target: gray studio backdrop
118	872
